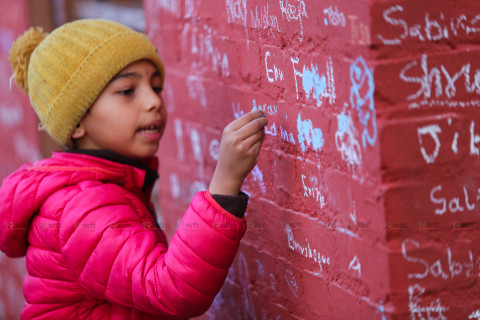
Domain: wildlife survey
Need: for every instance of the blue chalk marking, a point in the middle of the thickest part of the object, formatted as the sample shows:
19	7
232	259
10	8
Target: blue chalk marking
361	99
307	135
313	84
342	123
326	22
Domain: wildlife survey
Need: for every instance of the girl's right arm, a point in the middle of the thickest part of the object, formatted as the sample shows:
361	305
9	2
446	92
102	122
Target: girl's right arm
125	262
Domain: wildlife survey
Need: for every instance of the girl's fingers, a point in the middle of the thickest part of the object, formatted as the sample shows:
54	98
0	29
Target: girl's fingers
251	128
253	139
246	118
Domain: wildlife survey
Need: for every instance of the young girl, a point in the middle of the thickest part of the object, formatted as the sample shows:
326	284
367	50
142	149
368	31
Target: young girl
83	217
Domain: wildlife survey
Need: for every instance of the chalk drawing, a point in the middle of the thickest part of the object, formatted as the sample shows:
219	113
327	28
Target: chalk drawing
432	130
218	302
197	151
25	149
11	116
346	140
195	187
244	280
237	111
353	215
474	139
291	282
306	251
454	143
190	6
265	20
360	31
434	29
200	39
355	266
174	186
273	283
453	204
431	84
434	311
169	98
6	40
258	177
237	13
475	314
334	17
312	192
214	149
361	99
196	90
381	311
294	10
436	270
179	136
309	136
314	85
275	74
272	130
171	6
269	109
260	269
287	136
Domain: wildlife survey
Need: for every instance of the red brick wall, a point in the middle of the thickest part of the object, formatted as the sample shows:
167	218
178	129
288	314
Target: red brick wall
19	144
316	246
427	80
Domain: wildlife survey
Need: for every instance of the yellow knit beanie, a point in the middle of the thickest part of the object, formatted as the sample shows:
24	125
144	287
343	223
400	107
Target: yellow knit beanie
65	71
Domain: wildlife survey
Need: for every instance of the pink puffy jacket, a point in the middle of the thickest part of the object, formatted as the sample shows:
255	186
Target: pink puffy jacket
92	252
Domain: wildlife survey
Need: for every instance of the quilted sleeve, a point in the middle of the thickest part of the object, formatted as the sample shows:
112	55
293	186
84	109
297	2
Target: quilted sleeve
108	246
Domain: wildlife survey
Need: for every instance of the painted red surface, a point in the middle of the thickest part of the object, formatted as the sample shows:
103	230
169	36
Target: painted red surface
364	203
316	243
377	219
19	144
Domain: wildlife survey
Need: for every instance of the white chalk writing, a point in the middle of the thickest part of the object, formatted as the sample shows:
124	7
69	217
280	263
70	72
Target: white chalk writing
334	17
433	29
294	10
313	192
466	202
306	251
434	311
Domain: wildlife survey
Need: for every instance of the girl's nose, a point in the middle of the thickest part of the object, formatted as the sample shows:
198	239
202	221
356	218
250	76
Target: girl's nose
153	100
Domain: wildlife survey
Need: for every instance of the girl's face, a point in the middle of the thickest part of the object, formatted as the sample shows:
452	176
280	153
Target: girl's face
129	116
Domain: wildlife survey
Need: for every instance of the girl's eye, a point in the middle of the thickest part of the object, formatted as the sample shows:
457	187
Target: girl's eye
157	90
127	92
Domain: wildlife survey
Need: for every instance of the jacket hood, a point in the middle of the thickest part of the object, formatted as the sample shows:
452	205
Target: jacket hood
24	191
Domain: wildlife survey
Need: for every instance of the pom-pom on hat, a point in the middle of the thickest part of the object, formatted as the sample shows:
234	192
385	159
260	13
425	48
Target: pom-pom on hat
65	71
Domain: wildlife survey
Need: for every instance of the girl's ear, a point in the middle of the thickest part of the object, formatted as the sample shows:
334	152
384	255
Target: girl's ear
79	131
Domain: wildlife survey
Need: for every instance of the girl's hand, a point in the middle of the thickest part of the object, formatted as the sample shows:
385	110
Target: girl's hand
239	152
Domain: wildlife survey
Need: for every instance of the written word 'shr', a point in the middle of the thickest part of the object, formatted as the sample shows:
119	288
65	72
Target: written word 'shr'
439	86
432	28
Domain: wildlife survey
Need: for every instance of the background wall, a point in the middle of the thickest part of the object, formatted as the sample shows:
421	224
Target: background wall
364	200
19	144
427	82
315	246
